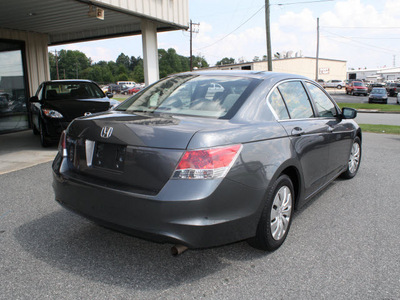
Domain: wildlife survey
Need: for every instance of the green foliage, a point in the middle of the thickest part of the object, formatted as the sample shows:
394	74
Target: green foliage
371	106
75	65
225	61
378	128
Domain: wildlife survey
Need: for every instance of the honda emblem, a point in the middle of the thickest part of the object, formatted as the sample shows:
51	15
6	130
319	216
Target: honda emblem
106	132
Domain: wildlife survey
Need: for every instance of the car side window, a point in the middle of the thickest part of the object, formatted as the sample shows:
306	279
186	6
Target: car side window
296	100
277	104
323	104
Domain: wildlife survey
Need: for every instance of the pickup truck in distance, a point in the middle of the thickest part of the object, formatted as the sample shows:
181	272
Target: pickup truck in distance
356	88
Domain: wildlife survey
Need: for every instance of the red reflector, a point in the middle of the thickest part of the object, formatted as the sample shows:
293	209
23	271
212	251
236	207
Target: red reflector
208	159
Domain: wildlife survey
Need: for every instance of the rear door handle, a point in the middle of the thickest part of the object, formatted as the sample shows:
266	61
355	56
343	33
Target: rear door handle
297	131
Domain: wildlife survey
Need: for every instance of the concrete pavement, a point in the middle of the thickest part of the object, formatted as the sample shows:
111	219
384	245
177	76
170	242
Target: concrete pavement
21	150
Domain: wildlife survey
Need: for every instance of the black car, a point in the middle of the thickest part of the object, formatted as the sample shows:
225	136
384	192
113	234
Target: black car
56	103
378	95
393	88
180	162
374	85
118	88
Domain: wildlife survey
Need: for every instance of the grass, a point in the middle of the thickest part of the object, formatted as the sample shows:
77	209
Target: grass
122	98
377	128
370	106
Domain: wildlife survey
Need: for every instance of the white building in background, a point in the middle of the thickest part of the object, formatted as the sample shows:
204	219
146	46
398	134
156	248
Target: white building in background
375	75
328	69
28	27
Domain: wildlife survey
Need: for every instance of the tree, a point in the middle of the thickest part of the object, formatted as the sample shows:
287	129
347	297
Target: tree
124	60
200	62
225	61
72	62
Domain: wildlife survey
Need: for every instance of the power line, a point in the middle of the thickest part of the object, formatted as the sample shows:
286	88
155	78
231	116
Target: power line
360	27
365	44
303	2
232	30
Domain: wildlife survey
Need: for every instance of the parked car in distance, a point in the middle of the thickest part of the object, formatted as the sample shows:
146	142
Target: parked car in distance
117	88
357	88
374	85
56	103
378	95
393	89
134	90
334	84
178	164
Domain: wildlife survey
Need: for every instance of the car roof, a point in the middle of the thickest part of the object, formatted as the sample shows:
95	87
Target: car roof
245	73
69	81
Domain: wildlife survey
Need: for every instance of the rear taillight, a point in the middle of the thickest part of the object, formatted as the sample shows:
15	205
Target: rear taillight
206	164
62	144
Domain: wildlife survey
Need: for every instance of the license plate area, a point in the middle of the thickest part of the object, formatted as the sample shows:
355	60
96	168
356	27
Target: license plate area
109	156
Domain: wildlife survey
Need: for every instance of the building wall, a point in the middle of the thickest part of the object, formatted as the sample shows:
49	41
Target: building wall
328	69
37	62
174	11
332	69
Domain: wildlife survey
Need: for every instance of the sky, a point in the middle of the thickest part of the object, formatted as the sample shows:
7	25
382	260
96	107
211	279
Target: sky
365	33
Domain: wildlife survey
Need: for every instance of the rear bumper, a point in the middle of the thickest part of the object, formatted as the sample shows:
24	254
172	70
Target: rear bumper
195	213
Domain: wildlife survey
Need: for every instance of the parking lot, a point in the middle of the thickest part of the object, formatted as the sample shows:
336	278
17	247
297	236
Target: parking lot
344	244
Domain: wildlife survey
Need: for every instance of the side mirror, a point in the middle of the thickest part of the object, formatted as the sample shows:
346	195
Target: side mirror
109	95
34	99
349	113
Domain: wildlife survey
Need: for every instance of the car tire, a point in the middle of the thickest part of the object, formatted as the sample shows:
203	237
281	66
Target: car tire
354	160
276	216
43	138
339	86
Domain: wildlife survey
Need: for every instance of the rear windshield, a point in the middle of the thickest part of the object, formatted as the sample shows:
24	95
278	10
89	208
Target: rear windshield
72	90
193	95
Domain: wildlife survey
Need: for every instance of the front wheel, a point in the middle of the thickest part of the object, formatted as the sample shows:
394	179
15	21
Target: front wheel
276	217
354	160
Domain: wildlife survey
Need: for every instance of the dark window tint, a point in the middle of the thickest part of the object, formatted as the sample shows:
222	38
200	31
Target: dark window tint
277	104
72	90
323	104
296	99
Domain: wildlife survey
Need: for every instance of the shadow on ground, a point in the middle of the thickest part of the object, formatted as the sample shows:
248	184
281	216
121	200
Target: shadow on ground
77	246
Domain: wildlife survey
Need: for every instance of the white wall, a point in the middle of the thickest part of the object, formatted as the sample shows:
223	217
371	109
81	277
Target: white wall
174	11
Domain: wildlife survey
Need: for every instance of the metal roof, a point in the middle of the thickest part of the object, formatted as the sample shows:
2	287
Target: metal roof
67	21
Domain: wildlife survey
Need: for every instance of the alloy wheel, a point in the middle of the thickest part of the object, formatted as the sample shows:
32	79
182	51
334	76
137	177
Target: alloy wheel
281	212
354	159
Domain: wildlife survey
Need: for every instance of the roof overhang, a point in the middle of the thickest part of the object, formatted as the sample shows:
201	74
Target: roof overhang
67	21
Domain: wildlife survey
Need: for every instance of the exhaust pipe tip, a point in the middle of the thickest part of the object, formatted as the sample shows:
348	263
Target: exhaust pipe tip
178	249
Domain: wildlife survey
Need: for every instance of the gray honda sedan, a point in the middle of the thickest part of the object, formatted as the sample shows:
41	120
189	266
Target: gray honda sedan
183	162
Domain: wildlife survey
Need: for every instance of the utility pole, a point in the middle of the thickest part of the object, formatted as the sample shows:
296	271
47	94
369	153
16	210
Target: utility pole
317	55
191	29
56	55
268	30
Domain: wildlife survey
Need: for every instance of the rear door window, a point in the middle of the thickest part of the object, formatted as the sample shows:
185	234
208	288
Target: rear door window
276	102
296	100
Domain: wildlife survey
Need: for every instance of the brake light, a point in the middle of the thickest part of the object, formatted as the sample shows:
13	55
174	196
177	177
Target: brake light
62	144
206	164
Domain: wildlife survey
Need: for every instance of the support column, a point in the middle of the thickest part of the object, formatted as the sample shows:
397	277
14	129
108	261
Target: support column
150	52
